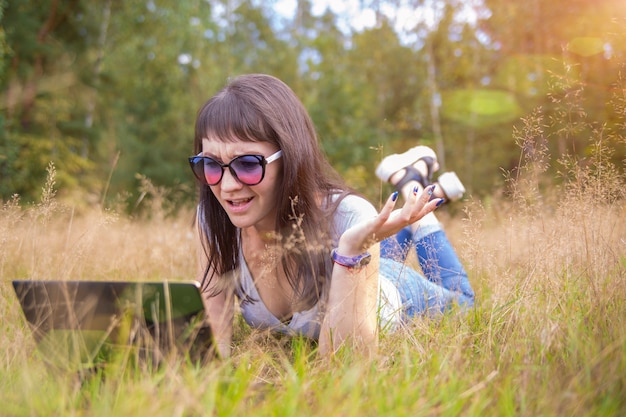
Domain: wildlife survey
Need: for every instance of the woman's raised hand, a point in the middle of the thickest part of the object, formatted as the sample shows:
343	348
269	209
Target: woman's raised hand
389	221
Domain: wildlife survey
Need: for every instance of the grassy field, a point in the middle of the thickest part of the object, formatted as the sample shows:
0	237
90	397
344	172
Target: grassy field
547	337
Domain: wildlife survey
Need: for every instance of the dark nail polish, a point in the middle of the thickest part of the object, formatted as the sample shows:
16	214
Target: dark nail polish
394	196
440	202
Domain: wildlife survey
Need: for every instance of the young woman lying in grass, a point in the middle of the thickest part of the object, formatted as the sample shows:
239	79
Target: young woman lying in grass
282	232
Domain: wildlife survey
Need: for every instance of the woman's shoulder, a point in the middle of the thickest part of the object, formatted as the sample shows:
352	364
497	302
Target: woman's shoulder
355	203
352	209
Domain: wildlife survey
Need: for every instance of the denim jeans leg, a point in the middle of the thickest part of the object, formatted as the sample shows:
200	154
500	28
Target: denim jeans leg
445	280
418	295
441	265
397	247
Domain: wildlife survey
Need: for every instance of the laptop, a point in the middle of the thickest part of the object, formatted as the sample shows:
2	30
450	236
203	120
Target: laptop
86	324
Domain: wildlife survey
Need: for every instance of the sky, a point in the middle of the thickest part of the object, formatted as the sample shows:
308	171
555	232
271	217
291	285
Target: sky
350	8
352	15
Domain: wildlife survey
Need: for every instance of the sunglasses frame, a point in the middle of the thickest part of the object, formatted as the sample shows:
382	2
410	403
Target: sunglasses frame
263	162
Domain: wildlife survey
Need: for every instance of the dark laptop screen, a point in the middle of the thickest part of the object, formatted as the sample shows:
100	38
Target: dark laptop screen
80	321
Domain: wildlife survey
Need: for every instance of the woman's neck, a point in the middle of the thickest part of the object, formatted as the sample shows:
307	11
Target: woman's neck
258	237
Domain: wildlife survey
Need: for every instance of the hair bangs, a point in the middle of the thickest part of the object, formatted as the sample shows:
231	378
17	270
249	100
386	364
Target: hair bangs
229	118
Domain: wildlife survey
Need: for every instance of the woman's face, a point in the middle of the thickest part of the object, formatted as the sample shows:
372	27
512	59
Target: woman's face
246	205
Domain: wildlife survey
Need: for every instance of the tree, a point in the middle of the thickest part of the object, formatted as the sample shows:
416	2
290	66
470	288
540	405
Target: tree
42	117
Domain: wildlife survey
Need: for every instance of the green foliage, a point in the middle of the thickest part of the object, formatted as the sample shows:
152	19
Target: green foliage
109	90
480	108
4	48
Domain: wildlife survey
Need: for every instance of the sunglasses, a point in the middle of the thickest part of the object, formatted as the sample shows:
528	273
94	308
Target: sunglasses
247	169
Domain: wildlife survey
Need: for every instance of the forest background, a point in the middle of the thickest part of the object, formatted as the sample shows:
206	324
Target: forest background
108	90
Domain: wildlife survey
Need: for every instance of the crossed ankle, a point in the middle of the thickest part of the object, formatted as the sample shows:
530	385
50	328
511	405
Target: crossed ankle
420	171
420	166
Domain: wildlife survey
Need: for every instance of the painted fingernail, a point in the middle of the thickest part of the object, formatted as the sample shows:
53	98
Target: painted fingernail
440	202
394	196
415	190
431	189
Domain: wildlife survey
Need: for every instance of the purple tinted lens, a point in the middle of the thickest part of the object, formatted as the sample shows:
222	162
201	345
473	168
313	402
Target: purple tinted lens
248	169
213	171
197	166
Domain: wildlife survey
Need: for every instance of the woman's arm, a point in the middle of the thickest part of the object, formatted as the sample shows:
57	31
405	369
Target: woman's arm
351	313
220	308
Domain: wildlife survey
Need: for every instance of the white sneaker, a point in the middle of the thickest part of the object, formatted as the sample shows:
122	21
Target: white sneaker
394	163
451	186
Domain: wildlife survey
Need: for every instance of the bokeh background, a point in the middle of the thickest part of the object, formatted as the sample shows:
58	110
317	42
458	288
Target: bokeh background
108	90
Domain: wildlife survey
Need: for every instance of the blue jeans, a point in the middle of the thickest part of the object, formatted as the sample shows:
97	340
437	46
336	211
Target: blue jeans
444	282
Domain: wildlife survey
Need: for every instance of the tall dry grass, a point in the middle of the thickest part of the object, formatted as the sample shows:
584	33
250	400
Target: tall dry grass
547	259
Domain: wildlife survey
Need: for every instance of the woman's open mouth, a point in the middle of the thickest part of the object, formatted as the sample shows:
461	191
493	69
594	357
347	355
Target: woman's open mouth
240	204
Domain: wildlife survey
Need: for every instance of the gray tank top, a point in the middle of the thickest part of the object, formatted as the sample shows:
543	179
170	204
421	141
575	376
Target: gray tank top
352	209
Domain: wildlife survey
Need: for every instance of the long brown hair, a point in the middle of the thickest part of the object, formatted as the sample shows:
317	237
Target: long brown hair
261	108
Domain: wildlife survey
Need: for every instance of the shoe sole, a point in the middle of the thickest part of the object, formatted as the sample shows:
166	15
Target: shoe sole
400	161
451	185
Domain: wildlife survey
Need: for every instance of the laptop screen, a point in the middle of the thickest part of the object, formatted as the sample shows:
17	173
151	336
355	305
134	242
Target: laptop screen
81	323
